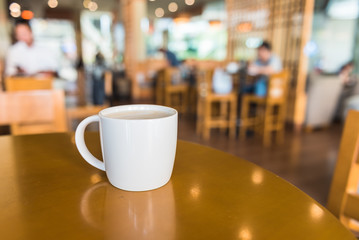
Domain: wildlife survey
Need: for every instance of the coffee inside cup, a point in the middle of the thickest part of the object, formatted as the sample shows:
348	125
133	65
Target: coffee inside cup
138	114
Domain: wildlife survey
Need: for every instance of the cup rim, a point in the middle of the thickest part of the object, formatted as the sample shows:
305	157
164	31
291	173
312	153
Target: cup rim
172	112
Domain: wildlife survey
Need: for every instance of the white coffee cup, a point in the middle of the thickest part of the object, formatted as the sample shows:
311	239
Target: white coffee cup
138	145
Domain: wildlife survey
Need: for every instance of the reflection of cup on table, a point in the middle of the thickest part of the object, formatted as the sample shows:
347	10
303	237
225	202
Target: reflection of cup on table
131	215
138	145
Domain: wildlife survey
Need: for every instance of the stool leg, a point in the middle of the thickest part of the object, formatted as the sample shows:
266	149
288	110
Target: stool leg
223	111
244	118
167	98
207	120
192	100
180	101
185	100
233	118
174	101
267	128
260	118
159	93
200	115
280	124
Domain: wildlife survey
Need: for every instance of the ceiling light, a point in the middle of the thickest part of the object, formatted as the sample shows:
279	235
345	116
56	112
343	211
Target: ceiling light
346	9
92	6
159	12
215	23
52	3
181	20
27	14
172	7
14	7
15	14
245	27
189	2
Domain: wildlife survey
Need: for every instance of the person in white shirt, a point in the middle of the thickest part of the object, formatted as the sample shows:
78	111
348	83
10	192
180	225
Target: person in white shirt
27	58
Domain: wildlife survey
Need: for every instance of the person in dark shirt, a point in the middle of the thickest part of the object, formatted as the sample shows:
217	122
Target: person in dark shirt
98	75
346	74
171	57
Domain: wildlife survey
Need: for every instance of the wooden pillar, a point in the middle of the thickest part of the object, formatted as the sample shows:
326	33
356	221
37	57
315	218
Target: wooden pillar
230	30
4	29
78	33
4	38
277	29
300	101
117	18
133	11
81	77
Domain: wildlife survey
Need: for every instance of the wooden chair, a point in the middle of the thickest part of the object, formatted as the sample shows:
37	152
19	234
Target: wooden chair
175	95
28	83
32	112
343	199
226	116
269	112
81	86
192	97
108	85
160	87
142	81
2	75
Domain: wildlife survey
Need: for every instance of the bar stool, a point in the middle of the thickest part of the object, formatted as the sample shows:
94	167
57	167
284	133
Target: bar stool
175	94
28	83
269	113
208	116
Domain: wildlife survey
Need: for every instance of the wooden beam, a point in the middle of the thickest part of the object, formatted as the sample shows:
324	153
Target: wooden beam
230	30
300	94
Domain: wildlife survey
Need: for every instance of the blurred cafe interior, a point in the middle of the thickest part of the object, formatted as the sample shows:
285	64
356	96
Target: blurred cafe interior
271	82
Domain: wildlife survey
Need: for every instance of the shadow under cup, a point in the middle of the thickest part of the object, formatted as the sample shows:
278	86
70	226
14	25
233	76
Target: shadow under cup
138	145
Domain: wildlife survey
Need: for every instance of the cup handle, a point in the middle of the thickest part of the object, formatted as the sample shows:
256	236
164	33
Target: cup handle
81	146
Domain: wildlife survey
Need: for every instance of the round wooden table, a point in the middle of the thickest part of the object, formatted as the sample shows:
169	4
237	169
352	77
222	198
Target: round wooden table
49	192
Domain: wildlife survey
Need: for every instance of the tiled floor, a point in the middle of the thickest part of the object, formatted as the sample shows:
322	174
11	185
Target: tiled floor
306	160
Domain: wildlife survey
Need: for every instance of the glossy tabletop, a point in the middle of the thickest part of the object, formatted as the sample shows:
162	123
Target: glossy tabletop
49	192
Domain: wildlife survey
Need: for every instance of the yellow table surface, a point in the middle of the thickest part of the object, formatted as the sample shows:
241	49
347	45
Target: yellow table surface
49	192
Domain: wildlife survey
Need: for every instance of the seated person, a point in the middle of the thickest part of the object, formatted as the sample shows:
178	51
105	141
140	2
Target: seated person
266	64
27	58
172	59
98	78
346	74
349	82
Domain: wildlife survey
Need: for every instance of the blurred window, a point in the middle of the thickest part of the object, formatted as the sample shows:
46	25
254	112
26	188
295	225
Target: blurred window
96	30
59	37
